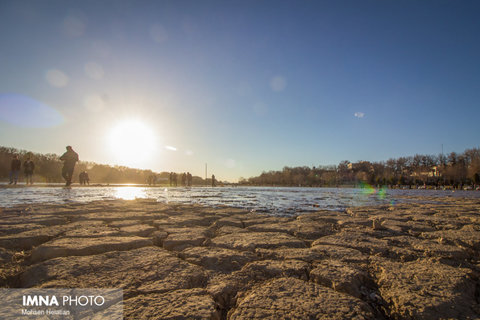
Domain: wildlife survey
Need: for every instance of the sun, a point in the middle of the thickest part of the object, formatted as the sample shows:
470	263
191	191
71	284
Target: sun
131	143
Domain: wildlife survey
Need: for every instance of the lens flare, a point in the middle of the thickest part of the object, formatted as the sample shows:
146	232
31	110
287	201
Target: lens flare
56	78
74	26
382	192
368	190
24	112
278	83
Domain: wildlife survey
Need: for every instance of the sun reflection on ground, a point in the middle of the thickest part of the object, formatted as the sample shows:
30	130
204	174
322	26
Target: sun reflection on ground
129	193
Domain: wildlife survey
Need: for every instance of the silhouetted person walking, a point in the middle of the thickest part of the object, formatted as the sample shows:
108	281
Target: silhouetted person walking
15	169
213	180
80	178
86	178
28	167
152	179
189	179
69	159
83	178
184	179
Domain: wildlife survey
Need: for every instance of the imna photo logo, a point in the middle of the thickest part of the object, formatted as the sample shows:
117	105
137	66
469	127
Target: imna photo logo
52	301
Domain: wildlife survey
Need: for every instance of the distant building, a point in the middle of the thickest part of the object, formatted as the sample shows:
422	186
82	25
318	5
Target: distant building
433	172
365	166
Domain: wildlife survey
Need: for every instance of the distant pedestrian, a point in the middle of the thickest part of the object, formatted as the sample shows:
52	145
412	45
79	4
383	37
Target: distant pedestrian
83	178
213	180
15	169
184	179
152	179
28	167
189	179
170	178
69	159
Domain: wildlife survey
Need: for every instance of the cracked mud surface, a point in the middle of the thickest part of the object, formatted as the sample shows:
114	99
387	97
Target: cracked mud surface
411	261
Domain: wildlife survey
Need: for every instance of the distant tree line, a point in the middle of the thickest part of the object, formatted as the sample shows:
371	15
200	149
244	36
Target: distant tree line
48	168
455	170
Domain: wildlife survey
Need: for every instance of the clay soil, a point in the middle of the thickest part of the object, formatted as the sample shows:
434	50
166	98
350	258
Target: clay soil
415	260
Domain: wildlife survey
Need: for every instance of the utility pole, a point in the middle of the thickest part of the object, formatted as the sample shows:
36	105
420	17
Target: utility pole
205	172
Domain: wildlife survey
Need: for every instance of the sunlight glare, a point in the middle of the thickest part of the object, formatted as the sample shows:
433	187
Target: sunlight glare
132	143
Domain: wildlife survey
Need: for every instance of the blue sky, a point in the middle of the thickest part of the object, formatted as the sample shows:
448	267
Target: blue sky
244	86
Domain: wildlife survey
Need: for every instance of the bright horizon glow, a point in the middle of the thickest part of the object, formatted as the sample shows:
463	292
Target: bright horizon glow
131	142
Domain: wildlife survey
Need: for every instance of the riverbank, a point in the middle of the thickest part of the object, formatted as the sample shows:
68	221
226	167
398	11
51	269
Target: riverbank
413	260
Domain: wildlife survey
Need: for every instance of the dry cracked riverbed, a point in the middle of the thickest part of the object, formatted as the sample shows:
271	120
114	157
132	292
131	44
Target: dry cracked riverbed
411	261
